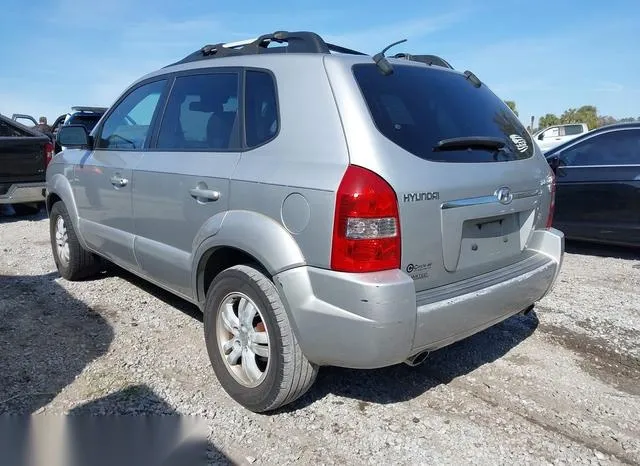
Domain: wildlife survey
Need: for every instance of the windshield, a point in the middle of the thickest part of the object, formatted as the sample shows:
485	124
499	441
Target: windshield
418	107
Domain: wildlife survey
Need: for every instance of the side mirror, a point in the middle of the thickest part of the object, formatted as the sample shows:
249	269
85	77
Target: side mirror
541	137
73	137
554	163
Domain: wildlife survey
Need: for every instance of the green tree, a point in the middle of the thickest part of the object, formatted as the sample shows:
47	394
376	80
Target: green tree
548	120
605	120
586	114
512	105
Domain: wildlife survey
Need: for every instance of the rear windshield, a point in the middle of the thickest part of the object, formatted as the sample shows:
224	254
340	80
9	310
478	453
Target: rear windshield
418	107
88	121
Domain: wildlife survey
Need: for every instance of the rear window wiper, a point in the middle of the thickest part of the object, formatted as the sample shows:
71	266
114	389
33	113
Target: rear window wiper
470	142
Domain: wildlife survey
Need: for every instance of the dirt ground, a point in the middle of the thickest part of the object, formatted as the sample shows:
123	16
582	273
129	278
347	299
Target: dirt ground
559	386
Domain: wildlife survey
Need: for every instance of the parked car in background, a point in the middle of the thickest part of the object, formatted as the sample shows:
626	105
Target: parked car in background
24	155
85	116
320	206
598	185
78	115
553	136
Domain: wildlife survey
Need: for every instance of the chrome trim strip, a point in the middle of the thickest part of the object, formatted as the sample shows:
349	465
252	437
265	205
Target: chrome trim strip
632	165
471	201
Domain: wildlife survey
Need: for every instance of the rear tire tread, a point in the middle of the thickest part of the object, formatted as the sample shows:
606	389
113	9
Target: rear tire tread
299	374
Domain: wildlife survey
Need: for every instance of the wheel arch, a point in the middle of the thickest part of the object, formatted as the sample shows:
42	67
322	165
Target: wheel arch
244	237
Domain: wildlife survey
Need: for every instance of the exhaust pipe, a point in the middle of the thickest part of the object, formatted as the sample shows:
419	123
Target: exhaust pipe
417	359
526	311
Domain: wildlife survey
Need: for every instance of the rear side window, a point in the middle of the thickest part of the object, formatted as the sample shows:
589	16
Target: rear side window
571	130
201	114
261	111
611	148
417	107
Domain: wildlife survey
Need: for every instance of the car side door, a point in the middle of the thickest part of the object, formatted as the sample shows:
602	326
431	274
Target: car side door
598	187
549	138
183	181
103	177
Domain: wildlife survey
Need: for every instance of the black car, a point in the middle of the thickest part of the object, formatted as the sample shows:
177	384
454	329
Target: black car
598	185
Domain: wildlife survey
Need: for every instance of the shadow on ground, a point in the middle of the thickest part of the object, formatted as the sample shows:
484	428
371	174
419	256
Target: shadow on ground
160	437
401	383
7	215
47	338
392	384
165	296
602	250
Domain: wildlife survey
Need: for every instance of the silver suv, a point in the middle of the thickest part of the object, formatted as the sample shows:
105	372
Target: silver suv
321	206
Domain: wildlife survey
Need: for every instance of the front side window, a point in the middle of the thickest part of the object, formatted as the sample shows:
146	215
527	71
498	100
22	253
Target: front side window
551	133
201	114
422	108
128	126
612	148
261	110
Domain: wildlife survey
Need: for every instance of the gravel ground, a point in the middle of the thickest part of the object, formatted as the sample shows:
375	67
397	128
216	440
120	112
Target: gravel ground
559	386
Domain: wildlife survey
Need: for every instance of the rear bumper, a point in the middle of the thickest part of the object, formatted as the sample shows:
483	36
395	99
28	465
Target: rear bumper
376	319
21	193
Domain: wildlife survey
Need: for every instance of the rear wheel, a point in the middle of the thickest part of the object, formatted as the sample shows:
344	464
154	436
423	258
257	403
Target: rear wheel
251	345
31	208
72	260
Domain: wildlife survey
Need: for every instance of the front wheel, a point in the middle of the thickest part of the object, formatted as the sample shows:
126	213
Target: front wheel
251	345
72	260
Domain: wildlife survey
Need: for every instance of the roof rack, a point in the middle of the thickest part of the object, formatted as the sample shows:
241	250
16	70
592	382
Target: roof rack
428	59
292	42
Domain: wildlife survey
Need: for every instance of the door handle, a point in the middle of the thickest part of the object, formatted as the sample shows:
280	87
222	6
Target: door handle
118	181
206	194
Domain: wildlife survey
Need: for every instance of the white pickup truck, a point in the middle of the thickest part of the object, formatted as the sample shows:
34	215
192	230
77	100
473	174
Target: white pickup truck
553	136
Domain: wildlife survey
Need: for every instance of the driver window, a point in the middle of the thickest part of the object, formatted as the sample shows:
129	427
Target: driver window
128	126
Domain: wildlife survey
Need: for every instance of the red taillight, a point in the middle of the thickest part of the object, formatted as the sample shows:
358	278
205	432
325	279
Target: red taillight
366	229
48	153
552	204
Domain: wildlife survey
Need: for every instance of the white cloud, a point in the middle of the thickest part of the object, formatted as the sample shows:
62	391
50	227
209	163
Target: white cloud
371	39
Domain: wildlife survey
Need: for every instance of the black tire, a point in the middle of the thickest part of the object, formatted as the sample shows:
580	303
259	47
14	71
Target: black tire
288	374
81	263
31	208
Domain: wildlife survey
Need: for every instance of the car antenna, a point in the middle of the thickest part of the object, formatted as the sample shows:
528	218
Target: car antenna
381	61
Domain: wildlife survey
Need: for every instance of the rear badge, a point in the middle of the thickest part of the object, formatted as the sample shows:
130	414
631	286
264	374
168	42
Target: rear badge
415	197
418	271
520	142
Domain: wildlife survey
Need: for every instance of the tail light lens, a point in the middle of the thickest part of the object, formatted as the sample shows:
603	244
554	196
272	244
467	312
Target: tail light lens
552	204
366	230
48	153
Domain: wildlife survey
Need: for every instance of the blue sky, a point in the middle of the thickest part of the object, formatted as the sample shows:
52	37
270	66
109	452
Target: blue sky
545	55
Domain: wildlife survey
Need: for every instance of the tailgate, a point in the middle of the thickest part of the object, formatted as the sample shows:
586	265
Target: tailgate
454	225
22	160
